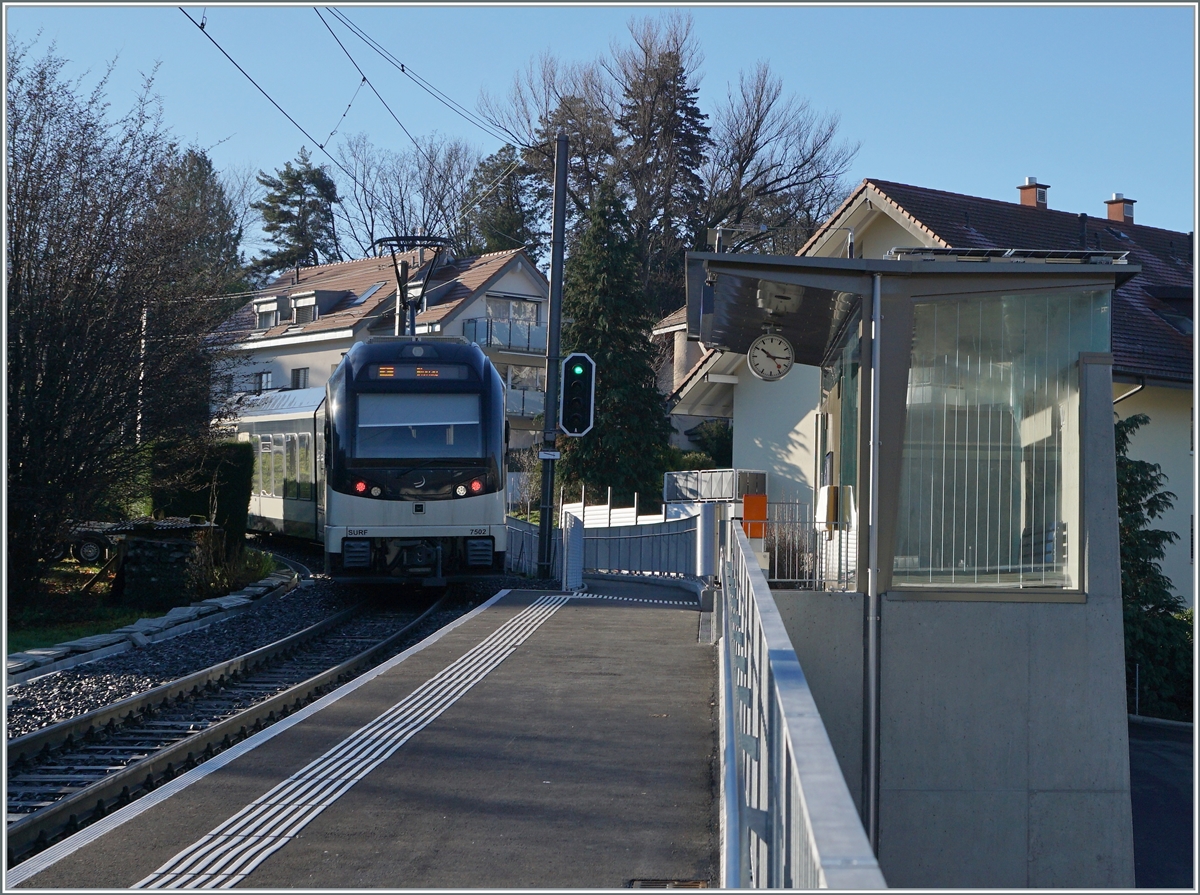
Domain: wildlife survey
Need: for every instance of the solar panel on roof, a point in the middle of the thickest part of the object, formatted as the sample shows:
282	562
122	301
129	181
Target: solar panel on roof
368	293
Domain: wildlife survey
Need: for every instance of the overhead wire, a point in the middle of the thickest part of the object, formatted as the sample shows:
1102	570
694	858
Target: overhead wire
337	163
321	145
442	97
465	205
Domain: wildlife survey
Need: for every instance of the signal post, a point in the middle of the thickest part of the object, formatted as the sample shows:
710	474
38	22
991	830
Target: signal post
553	338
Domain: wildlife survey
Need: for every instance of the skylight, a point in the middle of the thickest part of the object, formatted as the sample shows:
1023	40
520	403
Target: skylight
368	293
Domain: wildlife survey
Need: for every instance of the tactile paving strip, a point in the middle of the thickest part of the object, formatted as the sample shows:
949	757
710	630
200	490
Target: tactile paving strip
232	850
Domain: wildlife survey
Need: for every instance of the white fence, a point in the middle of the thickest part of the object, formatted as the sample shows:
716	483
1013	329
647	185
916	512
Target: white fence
789	819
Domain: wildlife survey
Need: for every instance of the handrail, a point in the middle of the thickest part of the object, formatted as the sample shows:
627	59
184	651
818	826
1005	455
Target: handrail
790	821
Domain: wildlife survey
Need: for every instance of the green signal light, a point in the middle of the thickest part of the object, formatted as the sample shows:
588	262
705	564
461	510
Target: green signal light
577	369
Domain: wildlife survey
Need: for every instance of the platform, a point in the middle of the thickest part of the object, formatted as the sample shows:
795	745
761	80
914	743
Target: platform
547	740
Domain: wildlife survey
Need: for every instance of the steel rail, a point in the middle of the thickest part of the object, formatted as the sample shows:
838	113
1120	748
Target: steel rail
38	830
48	739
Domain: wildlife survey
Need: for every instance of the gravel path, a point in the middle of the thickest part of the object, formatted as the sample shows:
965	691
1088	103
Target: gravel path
83	688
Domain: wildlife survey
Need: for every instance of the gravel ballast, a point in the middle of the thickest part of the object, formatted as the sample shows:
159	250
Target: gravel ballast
83	688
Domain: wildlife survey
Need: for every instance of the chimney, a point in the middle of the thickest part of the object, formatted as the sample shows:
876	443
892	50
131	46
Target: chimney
1120	209
1033	193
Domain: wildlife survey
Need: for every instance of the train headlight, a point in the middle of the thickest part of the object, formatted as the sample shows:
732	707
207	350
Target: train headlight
476	486
360	487
376	491
461	490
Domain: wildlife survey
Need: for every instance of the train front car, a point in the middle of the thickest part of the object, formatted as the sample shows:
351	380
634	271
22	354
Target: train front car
415	449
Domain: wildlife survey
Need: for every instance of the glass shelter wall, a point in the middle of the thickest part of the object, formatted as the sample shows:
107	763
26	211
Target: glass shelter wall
990	484
837	475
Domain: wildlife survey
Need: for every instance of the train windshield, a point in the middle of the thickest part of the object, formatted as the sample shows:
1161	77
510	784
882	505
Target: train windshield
418	426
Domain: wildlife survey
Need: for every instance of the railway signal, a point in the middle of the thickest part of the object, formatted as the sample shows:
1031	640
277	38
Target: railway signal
576	413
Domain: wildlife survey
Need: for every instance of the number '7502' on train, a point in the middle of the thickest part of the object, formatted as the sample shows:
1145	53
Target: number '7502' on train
397	465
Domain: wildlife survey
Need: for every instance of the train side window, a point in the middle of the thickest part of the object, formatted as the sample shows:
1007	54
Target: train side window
278	465
304	489
262	469
291	466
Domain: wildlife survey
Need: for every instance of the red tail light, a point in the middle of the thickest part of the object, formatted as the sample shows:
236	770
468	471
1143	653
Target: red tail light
476	486
360	487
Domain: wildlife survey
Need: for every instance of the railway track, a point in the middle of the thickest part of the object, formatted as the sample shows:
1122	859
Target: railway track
67	775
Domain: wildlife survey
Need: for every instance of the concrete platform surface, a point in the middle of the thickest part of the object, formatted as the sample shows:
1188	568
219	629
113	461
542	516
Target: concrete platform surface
547	741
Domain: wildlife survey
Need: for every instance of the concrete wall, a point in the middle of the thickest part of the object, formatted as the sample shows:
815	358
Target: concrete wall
826	632
775	430
1028	783
1167	440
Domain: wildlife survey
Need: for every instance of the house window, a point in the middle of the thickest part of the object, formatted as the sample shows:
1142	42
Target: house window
300	377
990	482
266	319
305	314
263	380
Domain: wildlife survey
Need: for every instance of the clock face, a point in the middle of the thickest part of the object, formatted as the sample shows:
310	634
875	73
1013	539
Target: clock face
770	357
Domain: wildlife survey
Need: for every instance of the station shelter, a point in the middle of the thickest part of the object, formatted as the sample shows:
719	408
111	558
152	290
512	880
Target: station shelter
961	625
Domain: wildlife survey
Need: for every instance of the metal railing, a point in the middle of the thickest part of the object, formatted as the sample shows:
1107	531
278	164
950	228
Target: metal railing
522	552
805	555
513	335
712	484
663	548
789	819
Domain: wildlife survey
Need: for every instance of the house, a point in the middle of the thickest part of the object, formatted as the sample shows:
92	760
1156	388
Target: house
293	333
1151	322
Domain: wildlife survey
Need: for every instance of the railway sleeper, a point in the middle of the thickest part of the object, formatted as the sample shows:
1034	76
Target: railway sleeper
23	841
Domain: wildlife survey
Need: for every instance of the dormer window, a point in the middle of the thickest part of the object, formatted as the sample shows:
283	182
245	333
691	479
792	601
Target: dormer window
304	308
271	311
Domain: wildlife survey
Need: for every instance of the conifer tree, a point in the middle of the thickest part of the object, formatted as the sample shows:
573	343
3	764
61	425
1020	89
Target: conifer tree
297	214
1158	632
506	205
626	449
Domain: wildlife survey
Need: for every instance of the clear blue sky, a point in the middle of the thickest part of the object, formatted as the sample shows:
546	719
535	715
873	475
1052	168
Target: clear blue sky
1089	99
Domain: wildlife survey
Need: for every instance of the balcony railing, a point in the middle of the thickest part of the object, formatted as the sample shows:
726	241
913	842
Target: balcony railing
511	335
524	402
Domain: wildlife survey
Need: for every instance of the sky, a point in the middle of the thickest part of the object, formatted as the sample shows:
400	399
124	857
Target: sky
973	99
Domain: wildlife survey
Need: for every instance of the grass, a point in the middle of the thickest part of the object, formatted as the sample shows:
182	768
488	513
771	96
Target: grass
63	613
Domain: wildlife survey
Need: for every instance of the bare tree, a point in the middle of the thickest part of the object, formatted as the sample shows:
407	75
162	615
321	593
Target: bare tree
769	169
422	189
582	101
776	164
107	223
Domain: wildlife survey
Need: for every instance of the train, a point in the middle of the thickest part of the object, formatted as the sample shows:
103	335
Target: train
397	466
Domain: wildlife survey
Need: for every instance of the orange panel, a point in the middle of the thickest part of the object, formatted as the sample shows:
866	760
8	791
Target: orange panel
754	506
754	529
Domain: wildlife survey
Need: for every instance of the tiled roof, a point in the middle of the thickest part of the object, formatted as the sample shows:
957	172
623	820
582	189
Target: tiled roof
1143	342
675	318
450	283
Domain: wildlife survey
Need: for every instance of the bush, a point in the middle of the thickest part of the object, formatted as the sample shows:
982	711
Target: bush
715	438
1158	628
215	485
